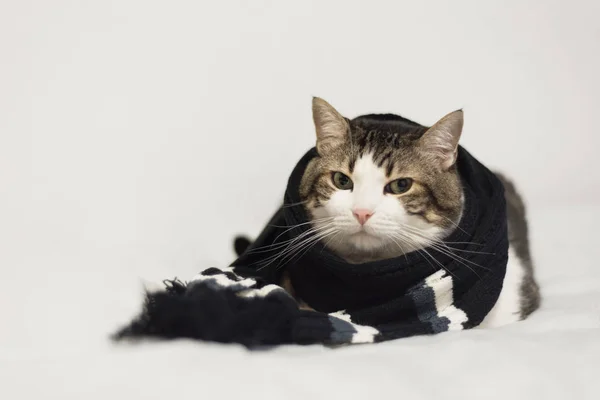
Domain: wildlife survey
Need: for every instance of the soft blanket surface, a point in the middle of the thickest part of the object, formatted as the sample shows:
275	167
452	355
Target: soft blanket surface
57	344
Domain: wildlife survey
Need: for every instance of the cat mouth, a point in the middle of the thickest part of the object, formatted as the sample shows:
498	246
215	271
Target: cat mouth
364	232
365	240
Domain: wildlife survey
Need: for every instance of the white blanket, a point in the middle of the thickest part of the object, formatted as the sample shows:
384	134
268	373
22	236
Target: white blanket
55	338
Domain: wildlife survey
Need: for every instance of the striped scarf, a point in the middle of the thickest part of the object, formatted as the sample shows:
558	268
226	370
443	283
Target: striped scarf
350	303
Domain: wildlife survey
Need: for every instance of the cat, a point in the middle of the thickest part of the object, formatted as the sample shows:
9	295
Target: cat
388	186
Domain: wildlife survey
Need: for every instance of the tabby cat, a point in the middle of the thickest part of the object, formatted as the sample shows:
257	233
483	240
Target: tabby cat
388	186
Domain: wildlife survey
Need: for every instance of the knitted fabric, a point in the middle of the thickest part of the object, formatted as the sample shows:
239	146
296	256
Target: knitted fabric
353	303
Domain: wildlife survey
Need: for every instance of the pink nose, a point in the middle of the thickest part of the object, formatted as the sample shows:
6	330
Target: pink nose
362	215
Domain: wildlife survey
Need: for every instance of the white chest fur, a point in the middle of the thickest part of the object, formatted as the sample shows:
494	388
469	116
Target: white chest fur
508	307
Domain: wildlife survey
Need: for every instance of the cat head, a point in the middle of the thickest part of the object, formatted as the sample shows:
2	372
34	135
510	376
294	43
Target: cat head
382	185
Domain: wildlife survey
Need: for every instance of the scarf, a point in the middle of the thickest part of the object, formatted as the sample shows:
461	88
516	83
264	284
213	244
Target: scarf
422	292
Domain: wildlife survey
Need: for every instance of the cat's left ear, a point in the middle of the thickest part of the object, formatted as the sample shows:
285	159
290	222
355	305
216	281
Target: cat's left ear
441	140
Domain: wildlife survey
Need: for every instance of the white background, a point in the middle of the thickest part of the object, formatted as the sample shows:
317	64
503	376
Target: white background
137	137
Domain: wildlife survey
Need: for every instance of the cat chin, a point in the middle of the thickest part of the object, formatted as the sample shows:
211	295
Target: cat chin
363	242
361	247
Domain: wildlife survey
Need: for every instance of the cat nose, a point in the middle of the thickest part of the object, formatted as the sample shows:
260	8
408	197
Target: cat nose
362	215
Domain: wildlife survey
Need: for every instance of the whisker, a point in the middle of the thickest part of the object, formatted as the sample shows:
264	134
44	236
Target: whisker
289	242
400	246
301	224
429	241
275	245
454	223
397	225
294	204
294	247
422	249
440	244
460	260
329	241
298	239
298	250
299	254
318	220
467	243
453	256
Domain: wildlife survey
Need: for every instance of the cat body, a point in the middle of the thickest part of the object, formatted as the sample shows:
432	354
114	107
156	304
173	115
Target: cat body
384	186
389	229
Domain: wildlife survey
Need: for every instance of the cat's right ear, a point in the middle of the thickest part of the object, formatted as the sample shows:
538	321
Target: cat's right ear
331	126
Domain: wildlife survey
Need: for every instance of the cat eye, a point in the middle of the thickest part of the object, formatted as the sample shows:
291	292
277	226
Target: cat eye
342	181
398	186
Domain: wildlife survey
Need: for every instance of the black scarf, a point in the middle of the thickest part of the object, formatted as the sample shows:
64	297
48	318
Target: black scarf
353	303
